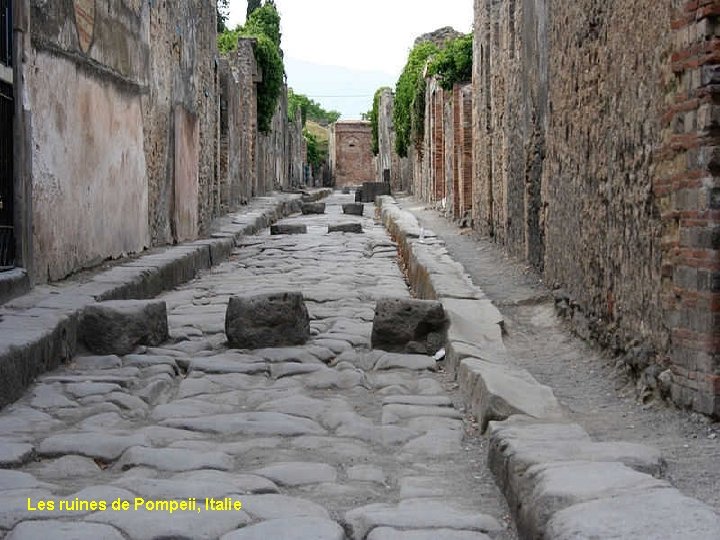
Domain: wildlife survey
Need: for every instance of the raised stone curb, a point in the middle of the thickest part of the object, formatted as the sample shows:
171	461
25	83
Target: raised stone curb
559	484
38	331
494	388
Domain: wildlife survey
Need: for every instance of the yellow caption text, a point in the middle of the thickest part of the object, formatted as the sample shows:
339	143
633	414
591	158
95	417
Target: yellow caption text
137	504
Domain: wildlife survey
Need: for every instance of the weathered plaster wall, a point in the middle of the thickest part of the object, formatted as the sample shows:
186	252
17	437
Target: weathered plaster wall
237	167
351	157
88	165
88	171
388	159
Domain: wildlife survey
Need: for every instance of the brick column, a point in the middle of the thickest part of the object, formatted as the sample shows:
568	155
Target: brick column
687	186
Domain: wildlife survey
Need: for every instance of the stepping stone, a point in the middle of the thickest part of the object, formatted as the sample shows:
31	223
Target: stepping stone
300	528
353	228
286	228
34	530
298	473
106	447
174	459
409	325
267	320
313	208
119	326
353	209
418	514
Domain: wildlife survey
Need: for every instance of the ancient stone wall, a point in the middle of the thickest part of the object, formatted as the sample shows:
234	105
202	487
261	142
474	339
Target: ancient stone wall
594	131
138	133
351	157
687	189
182	74
388	159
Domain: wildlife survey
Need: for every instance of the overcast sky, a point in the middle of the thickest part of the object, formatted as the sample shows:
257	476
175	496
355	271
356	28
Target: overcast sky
340	51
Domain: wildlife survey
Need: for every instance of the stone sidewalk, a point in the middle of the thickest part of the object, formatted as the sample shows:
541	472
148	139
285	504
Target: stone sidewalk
324	441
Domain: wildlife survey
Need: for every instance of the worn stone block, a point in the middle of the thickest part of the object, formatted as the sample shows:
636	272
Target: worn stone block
658	513
408	325
371	190
119	326
355	228
313	208
353	209
285	228
267	320
498	391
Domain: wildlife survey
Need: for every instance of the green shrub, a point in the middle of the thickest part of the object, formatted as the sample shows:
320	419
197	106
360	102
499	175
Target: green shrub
263	25
453	63
406	91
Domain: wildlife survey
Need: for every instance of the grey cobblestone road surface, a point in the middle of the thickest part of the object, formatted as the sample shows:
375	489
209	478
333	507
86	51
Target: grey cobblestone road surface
324	441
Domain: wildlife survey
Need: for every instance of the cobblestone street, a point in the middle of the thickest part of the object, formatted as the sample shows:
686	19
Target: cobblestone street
329	440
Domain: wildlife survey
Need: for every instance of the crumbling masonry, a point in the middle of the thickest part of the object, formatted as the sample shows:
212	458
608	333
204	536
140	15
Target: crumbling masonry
592	153
131	130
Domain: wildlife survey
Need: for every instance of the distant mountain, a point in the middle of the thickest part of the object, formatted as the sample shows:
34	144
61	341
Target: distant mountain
354	88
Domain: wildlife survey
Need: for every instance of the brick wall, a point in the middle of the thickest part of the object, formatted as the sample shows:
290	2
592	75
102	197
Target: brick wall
351	157
687	185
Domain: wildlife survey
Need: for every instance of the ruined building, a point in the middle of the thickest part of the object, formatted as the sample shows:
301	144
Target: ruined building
587	146
129	131
351	161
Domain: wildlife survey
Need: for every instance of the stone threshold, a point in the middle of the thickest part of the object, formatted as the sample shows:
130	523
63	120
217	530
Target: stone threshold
558	483
39	330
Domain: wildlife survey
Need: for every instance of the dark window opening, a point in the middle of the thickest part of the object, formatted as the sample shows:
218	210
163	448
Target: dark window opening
6	34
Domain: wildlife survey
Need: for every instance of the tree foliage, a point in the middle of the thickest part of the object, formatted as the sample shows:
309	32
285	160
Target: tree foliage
309	109
405	92
374	116
453	63
263	24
